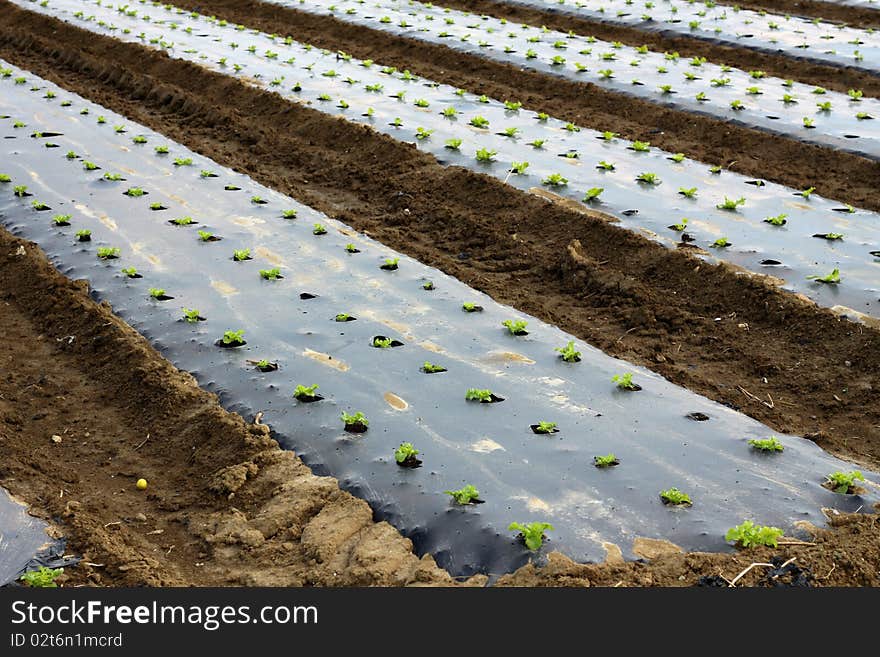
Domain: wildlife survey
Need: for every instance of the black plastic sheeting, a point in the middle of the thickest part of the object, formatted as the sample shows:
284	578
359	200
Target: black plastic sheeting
522	476
22	538
772	104
798	37
400	105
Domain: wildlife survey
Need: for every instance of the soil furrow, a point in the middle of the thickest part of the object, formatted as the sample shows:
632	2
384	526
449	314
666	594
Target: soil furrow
748	151
719	333
863	17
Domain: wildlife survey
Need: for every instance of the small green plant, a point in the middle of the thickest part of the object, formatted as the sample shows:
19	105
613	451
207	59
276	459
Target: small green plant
675	497
831	237
568	353
832	279
382	343
625	381
343	317
20	191
39	206
479	122
157	293
771	444
183	161
453	144
593	194
431	368
844	482
680	226
485	155
62	219
357	420
640	146
108	252
182	221
648	178
720	243
44	578
307	393
688	192
83	235
161	150
4	178
140	139
468	494
134	192
390	264
605	461
207	236
519	168
318	229
241	254
233	338
555	180
515	327
113	177
807	193
191	315
406	455
605	166
422	133
545	427
748	534
271	274
471	307
477	394
778	220
131	272
809	123
731	204
532	533
351	248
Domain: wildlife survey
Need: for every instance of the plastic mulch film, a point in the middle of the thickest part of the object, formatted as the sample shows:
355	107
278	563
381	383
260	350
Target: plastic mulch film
21	537
256	294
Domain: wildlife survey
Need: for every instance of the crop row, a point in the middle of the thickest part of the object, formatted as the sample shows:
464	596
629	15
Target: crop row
753	98
796	36
823	249
315	311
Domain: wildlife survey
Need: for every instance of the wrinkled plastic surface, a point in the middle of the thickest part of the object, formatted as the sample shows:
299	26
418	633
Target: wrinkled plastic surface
803	38
21	538
522	476
768	103
336	85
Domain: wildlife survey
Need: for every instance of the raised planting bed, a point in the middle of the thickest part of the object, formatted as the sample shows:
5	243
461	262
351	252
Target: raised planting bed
376	399
763	228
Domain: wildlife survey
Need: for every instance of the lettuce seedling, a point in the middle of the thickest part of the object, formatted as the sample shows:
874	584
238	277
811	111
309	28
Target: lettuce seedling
480	395
428	285
241	254
134	192
468	494
648	178
108	252
721	243
515	327
532	534
680	226
748	534
675	497
593	194
318	229
182	221
831	237
625	382
113	177
351	248
640	146
479	122
731	204
44	578
778	220
206	236
690	192
844	482
344	317
356	423
382	343
4	178
39	206
519	168
161	150
471	307
140	139
83	235
390	264
61	219
131	272
192	316
422	133
271	274
233	338
405	456
545	427
431	368
453	144
485	155
158	293
555	180
605	461
568	353
306	393
771	444
832	279
264	365
606	166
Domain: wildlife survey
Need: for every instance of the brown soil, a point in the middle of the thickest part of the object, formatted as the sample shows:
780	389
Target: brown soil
626	295
225	506
862	17
238	510
751	152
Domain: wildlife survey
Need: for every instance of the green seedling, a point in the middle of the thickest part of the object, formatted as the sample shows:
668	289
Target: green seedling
477	394
844	482
571	127
207	236
748	534
555	180
39	206
158	293
382	343
648	178
479	122
831	237
625	381
568	353
161	150
62	219
675	497
485	155
731	204
778	220
771	444
593	194
108	252
809	123
191	315
431	368
4	178
140	139
688	192
640	146
307	393
545	427
422	133
405	455
183	161
855	94
471	307
532	533
351	248
721	243
519	168
134	192
71	155
182	221
241	254
453	144
390	264
131	272
605	166
44	578
83	235
680	226
605	461
357	421
343	317
515	327
832	279
271	274
90	166
678	157
807	193
318	229
428	285
233	338
113	177
468	494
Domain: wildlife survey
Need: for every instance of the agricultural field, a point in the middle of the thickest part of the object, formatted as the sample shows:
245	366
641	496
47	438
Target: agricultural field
383	292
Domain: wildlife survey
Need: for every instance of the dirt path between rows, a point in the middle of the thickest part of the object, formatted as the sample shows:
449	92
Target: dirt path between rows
754	153
730	337
225	506
862	17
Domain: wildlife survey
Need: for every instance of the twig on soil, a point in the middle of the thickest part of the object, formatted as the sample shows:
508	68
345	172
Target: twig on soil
793	542
755	565
144	442
833	566
757	399
118	522
626	334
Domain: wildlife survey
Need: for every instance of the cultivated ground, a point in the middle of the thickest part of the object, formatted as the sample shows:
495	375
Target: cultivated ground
225	505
